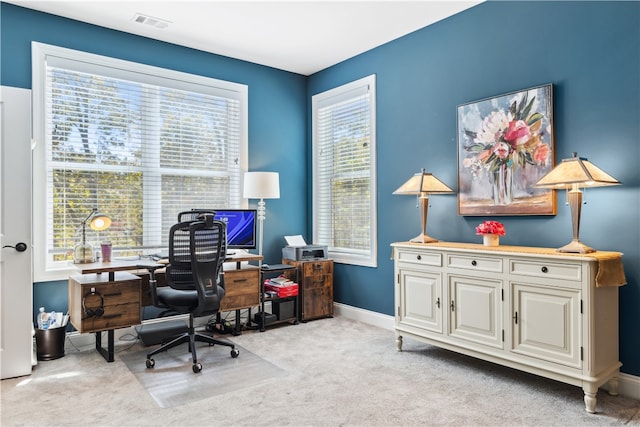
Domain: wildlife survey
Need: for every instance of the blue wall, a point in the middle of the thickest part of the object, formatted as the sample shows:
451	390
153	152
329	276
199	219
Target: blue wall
589	51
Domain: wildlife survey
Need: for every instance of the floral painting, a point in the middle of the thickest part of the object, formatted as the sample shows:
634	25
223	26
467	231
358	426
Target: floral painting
505	145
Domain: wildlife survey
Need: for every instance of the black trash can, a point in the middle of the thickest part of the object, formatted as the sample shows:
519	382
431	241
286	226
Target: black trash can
50	343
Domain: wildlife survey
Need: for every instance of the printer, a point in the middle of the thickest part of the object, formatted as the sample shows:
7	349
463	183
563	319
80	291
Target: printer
298	250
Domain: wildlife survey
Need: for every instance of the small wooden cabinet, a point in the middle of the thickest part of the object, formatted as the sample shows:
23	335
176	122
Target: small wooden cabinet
533	309
315	280
118	299
242	288
103	302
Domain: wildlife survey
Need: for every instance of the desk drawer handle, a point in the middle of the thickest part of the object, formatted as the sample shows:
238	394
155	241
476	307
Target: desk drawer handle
112	316
239	280
419	257
544	269
474	262
114	294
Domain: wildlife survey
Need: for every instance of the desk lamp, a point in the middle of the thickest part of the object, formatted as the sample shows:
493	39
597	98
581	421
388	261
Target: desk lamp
83	253
261	185
421	185
572	174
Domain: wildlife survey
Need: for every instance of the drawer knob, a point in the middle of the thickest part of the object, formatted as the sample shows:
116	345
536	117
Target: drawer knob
419	257
474	262
544	269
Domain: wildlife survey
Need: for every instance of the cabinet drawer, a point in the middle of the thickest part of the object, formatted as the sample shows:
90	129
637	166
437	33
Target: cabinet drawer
547	270
320	281
317	268
422	258
475	263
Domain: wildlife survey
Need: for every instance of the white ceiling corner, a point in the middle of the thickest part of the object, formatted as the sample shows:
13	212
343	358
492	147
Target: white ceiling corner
298	36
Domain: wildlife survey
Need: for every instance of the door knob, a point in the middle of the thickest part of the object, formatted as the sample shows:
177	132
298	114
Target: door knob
20	247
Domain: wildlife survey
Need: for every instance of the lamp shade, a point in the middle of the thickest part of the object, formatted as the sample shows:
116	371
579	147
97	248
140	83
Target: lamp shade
261	185
100	222
423	182
576	171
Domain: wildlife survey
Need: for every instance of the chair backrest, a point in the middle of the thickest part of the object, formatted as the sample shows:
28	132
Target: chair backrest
197	214
178	273
194	214
206	243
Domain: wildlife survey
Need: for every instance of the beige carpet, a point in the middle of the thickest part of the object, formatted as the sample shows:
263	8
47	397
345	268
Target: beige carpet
172	382
339	372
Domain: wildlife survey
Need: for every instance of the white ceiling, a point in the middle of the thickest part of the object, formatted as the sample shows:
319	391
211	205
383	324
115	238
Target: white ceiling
298	36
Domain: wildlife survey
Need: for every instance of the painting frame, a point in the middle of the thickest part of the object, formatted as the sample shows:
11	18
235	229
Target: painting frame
505	145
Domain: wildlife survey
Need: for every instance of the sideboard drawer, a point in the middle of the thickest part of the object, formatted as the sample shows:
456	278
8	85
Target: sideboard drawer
475	263
422	258
548	270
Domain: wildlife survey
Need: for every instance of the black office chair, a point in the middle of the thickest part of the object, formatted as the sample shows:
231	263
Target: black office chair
195	279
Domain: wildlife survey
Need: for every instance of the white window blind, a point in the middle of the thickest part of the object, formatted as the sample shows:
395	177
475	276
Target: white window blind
344	207
138	143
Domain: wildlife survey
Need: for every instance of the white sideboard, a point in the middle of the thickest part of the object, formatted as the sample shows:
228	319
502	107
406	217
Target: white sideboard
547	313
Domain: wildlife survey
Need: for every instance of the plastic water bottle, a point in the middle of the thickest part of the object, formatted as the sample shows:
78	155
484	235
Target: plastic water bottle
43	319
52	320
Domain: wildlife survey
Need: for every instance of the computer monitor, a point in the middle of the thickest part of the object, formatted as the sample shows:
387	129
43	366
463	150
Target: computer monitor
241	227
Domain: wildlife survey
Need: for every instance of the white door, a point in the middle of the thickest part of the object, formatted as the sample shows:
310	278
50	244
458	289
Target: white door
16	296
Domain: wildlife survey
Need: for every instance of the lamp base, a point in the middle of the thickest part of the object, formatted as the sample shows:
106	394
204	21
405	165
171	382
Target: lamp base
576	247
83	254
423	238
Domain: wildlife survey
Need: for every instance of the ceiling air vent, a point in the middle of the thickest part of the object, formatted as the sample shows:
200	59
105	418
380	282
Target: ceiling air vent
149	20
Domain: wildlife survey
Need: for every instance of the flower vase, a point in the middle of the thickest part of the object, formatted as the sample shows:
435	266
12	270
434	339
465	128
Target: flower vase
490	239
503	185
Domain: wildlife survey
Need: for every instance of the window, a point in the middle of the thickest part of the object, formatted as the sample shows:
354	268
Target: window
344	172
138	143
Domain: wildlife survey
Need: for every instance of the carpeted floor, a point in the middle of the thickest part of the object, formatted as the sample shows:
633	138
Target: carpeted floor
339	372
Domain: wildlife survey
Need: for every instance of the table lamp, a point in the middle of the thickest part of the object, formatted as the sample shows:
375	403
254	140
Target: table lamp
572	174
421	185
83	253
261	185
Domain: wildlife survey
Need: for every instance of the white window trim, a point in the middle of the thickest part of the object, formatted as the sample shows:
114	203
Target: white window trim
40	54
351	257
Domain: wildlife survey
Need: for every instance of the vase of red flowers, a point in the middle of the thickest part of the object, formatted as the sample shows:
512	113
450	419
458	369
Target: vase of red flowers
490	232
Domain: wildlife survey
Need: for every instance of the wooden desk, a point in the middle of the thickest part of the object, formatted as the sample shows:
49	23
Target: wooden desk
242	286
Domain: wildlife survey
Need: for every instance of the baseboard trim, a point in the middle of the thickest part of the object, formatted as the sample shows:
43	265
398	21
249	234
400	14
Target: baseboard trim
629	385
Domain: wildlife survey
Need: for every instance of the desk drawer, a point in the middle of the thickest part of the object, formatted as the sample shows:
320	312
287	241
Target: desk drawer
115	316
242	289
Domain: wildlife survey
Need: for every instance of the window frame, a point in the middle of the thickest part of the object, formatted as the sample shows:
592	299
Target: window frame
41	55
323	99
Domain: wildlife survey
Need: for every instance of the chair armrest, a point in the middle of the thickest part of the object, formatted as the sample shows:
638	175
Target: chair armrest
152	280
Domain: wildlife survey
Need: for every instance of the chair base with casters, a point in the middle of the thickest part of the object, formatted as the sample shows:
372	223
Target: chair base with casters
191	337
